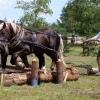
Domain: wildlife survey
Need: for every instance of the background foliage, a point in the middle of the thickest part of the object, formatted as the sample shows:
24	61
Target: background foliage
32	11
79	16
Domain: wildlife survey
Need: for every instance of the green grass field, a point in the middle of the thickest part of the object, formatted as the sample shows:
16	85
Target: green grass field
86	88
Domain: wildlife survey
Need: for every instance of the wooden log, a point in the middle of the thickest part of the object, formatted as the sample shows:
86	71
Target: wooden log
45	77
14	78
60	68
87	69
70	74
6	79
20	78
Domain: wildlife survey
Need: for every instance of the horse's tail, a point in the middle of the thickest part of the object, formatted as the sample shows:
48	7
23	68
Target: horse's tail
61	50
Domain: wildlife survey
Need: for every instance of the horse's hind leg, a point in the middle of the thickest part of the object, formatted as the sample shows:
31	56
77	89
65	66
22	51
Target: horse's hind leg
53	65
41	60
22	54
53	55
12	61
16	59
25	60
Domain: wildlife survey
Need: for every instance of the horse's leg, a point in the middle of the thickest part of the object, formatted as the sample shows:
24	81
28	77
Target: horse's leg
25	60
53	55
17	59
22	54
41	60
53	65
12	61
3	61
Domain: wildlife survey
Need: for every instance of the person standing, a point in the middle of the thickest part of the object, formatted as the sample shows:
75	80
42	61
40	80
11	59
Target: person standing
96	38
73	38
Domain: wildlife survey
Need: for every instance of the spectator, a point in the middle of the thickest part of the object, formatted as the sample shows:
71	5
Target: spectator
73	38
97	38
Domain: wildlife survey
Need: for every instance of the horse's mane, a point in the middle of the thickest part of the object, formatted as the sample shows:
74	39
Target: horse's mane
14	25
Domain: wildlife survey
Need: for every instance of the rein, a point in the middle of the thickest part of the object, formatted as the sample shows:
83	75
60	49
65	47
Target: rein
38	45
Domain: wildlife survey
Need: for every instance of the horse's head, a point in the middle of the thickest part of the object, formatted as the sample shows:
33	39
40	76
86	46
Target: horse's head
6	30
2	28
2	25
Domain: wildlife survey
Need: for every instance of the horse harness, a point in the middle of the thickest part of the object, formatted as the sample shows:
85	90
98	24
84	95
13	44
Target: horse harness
16	40
34	42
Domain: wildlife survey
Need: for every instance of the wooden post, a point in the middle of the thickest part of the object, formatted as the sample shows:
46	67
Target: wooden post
34	73
59	67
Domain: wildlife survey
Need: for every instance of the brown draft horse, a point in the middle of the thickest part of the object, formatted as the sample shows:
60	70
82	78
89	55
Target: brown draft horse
23	42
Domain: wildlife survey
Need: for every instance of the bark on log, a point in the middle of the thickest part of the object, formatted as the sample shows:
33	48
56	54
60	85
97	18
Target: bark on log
20	79
71	74
6	80
45	77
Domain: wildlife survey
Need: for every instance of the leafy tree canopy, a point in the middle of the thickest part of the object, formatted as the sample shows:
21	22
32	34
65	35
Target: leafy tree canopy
81	16
32	11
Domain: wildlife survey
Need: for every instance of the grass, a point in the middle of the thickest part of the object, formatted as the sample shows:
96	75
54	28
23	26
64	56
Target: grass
86	88
75	56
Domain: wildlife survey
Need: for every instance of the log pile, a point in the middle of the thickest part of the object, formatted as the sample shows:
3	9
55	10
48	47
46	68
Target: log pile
86	69
26	77
69	74
14	78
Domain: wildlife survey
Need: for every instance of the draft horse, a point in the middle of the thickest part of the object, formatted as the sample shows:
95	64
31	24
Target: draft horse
23	42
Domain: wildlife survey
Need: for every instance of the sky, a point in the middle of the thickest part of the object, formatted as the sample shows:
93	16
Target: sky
8	10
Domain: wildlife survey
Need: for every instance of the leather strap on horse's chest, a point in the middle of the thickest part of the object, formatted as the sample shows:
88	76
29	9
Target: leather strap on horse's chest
14	44
17	39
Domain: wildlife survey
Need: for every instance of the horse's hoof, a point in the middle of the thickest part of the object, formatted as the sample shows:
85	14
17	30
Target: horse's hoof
21	64
44	70
52	68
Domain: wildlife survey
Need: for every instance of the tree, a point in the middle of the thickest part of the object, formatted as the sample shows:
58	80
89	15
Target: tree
32	11
58	27
81	16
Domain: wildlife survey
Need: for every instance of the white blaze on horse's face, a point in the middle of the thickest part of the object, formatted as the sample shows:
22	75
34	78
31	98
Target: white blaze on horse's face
1	26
